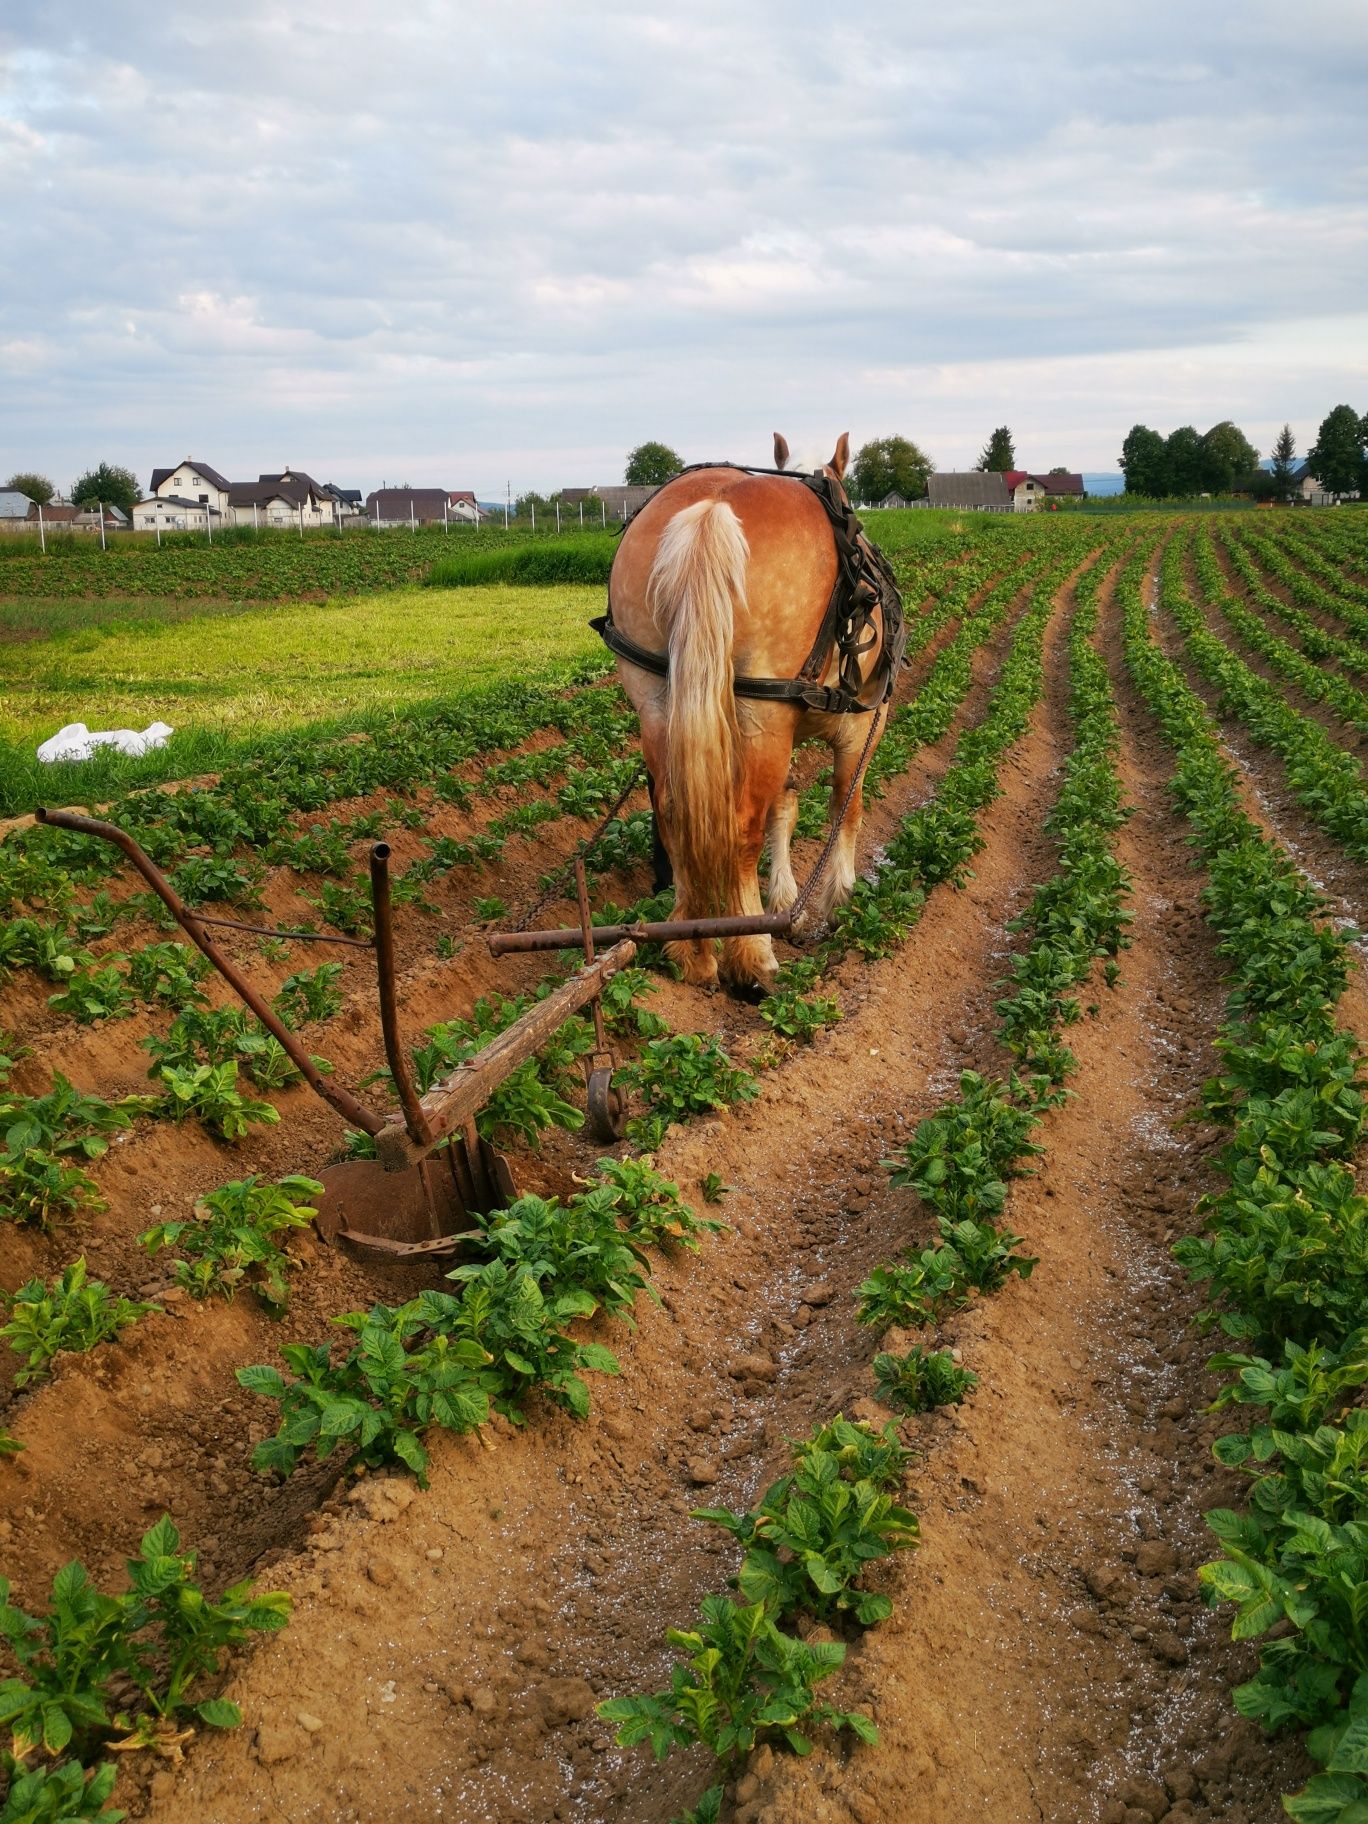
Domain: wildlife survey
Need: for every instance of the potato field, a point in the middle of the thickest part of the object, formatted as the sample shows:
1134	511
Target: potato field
947	1400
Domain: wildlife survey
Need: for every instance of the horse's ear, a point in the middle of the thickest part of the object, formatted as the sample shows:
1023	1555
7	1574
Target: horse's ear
781	450
841	457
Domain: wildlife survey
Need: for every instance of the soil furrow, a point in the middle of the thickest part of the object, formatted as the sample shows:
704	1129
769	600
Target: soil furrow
189	1452
756	1340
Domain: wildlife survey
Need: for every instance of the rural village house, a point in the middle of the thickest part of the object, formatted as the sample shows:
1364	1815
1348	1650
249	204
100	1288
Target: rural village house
999	491
193	496
422	507
1305	487
619	502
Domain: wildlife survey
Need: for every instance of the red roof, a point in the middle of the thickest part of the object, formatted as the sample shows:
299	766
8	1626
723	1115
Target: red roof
1015	477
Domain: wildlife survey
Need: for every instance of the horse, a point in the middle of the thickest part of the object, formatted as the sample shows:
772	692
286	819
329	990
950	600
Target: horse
734	573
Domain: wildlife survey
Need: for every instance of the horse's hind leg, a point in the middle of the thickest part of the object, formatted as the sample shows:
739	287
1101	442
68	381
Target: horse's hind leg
749	963
783	818
848	747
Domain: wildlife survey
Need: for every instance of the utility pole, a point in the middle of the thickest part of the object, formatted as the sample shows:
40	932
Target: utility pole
508	501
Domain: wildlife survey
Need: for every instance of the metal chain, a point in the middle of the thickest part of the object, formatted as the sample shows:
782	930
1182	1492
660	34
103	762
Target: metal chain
567	867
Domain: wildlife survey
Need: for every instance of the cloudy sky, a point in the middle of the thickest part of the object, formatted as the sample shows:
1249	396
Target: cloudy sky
442	243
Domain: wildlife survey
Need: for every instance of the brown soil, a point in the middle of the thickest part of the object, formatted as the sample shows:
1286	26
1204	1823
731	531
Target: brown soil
1047	1658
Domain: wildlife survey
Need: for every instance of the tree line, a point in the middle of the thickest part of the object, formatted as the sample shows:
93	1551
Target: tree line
1223	461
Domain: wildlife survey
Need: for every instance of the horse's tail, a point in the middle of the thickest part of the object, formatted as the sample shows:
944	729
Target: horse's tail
697	581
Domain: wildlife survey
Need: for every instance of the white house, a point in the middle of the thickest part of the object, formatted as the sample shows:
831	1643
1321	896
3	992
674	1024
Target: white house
193	482
174	513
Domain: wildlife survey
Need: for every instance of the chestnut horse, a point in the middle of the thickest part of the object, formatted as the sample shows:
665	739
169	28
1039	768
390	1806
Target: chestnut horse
730	574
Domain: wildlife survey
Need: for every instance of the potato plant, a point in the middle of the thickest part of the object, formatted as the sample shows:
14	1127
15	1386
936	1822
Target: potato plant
739	1681
921	1379
75	1313
158	1639
233	1238
209	1093
681	1076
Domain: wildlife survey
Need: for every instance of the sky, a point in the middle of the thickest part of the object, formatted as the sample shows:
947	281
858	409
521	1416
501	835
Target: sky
479	246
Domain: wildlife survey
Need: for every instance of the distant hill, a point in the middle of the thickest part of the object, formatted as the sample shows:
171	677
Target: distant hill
1109	482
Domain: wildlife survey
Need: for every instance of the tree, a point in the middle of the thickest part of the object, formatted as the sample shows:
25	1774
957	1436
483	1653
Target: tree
1059	469
1284	454
37	487
651	465
1144	463
1336	457
889	465
532	502
998	452
1184	461
109	483
1228	458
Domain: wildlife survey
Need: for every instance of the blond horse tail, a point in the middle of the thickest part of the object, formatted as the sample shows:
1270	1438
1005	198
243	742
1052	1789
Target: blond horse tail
697	581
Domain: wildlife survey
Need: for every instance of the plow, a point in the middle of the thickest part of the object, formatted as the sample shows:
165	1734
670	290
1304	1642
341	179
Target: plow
432	1169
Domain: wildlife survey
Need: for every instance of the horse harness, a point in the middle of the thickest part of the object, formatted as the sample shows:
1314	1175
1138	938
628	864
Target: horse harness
864	581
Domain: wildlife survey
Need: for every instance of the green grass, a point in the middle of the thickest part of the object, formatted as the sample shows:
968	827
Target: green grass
227	680
585	558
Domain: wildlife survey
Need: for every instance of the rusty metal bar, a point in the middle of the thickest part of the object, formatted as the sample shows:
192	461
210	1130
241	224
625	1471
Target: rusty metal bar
303	937
587	938
401	1068
450	1105
346	1104
569	937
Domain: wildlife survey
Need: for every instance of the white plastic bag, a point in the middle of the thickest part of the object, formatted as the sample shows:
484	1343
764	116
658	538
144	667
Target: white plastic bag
77	742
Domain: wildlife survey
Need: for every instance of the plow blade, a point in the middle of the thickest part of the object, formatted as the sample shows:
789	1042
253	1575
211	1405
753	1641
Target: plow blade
419	1212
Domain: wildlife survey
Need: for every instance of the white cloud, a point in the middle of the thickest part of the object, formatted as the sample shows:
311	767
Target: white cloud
421	240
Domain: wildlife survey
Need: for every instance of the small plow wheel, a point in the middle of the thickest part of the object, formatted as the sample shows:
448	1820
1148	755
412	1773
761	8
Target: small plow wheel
607	1106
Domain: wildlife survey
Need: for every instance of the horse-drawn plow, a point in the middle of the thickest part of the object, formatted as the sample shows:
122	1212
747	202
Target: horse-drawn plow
432	1168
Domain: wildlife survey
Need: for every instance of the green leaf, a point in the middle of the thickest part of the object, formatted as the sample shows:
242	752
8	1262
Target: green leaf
219	1713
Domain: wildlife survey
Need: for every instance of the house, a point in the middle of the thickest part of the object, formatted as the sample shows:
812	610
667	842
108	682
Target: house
1311	492
16	506
463	505
172	513
618	502
1004	491
1063	486
977	490
191	482
348	502
408	506
309	504
115	519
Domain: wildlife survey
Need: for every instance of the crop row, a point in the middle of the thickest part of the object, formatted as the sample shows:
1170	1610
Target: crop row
1306	590
1324	779
1313	680
269	567
742	1677
1317	641
1311	556
1282	1253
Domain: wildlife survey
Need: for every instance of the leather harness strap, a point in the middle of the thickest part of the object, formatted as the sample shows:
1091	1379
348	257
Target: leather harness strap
864	581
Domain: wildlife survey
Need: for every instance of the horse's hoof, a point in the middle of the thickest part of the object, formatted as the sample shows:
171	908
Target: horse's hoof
751	992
